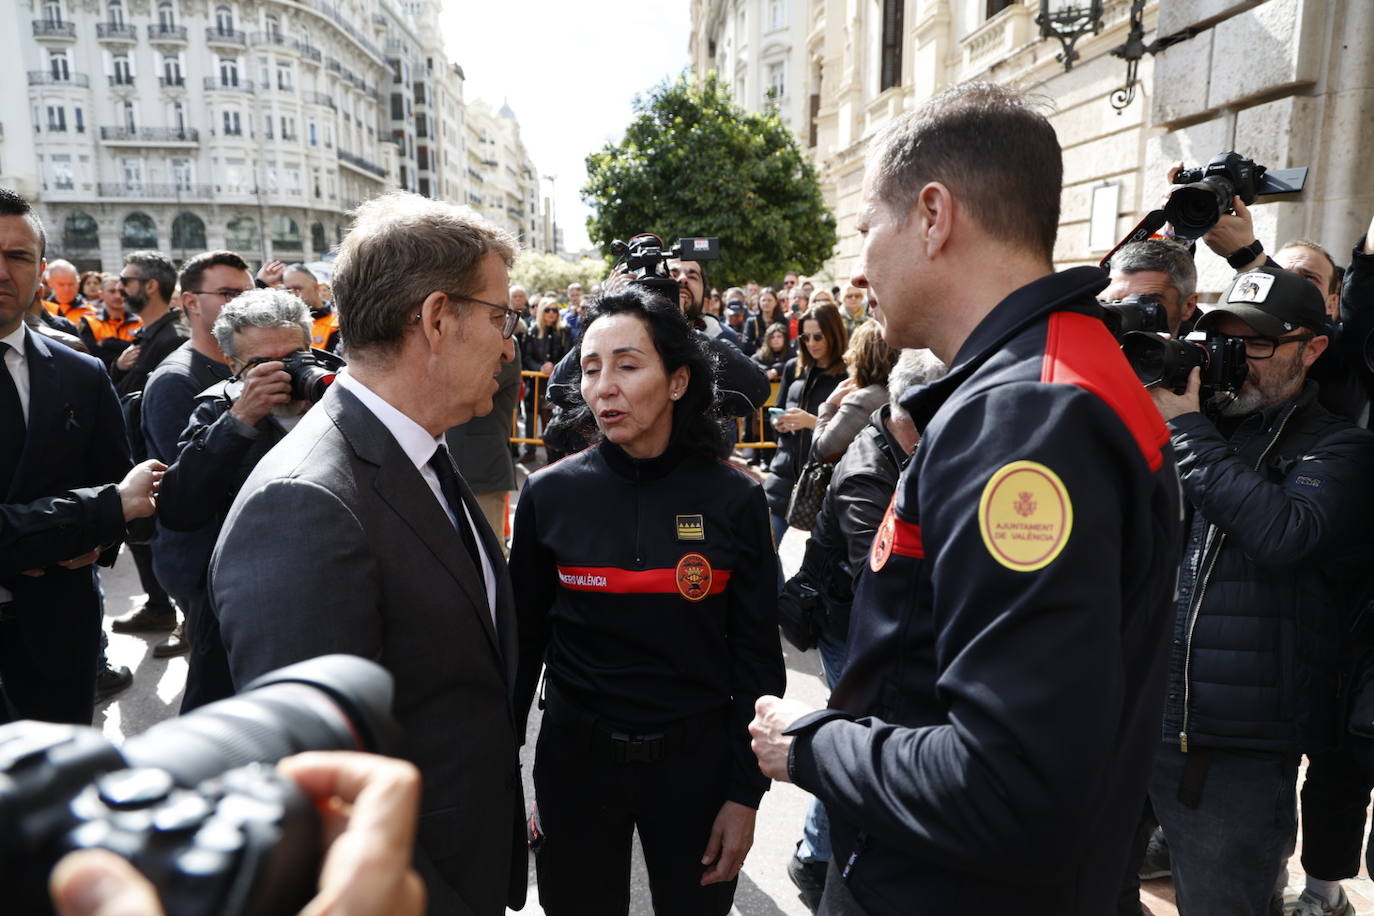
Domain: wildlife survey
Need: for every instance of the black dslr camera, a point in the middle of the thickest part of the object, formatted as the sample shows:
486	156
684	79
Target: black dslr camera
312	371
1207	191
1166	362
194	802
645	259
1137	312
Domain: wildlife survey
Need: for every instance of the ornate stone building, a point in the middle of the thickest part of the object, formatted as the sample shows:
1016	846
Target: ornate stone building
1287	82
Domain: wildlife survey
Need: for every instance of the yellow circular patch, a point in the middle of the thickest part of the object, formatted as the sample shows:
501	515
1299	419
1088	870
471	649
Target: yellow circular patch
1025	516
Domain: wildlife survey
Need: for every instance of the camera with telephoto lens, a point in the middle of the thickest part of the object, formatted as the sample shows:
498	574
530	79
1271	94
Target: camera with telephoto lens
646	261
312	371
1137	312
1164	362
1207	191
193	803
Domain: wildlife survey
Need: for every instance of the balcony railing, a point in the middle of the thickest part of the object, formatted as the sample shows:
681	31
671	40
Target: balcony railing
159	32
172	82
151	134
225	37
317	98
311	53
48	78
358	162
151	189
117	31
122	81
215	84
47	28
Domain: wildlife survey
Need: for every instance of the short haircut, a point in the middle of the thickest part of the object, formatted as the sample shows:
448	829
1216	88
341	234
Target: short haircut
193	271
836	337
89	275
1163	256
1336	273
12	204
62	264
301	268
154	265
401	248
260	308
914	367
868	357
998	155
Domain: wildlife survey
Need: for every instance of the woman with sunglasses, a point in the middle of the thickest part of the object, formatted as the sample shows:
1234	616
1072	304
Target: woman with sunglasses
644	586
807	380
548	342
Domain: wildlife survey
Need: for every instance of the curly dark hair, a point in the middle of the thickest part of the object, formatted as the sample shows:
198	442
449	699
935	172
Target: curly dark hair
696	415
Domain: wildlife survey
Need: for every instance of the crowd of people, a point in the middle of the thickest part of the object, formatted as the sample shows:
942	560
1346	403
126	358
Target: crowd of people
1079	631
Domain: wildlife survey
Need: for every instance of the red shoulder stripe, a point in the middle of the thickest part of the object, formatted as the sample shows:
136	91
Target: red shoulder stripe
1079	350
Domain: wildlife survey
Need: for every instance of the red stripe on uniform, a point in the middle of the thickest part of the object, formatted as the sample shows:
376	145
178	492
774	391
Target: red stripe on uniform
1079	350
906	539
614	581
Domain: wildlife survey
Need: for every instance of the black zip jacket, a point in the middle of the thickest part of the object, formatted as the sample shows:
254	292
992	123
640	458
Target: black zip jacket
1276	555
807	390
991	738
47	531
600	563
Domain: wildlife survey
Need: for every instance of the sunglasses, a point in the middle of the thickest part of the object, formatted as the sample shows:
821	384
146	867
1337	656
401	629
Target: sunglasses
817	337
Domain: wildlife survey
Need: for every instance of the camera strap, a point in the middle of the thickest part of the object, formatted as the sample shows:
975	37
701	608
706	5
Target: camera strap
1146	228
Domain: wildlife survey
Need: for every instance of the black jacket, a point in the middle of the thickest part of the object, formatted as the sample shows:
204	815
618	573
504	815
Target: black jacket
1276	550
836	553
991	736
56	528
536	350
599	561
157	341
807	391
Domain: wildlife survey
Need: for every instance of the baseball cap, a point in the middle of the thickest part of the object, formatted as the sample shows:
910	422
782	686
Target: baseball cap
1271	300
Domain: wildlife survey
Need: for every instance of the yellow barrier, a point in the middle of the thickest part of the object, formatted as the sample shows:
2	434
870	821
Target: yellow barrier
532	378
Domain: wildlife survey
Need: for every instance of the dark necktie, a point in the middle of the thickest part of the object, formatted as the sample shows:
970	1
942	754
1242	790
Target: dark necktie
13	430
448	483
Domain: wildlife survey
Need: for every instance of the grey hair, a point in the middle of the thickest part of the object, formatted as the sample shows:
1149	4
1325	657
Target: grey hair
914	367
991	146
260	308
1161	255
403	247
61	264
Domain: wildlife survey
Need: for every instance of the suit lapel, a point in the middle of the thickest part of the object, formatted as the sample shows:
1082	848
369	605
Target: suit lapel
401	487
45	410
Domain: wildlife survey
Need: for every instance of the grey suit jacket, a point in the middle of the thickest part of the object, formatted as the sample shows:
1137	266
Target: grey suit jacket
336	544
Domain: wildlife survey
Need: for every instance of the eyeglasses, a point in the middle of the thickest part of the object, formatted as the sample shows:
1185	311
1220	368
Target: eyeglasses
512	316
1259	347
817	337
125	281
226	294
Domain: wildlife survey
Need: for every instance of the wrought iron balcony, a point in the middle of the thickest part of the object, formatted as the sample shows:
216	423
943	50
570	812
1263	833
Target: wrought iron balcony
49	78
159	32
216	36
150	134
48	28
115	31
122	80
358	162
172	82
217	84
147	189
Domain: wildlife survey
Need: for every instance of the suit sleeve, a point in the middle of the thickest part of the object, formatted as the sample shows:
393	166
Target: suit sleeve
533	572
200	484
1028	663
1321	502
279	544
47	531
756	665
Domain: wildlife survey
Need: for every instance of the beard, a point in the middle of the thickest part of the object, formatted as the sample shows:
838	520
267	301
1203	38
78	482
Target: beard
1257	394
134	304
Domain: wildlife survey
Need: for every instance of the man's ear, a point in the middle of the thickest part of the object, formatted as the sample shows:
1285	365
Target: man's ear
434	311
1189	307
934	212
187	301
1315	348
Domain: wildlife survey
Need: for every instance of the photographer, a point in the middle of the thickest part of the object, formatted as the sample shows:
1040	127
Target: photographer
232	425
1276	489
1160	269
369	804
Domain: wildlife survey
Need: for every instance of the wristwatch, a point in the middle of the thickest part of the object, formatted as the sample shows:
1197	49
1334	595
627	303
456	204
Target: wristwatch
1243	256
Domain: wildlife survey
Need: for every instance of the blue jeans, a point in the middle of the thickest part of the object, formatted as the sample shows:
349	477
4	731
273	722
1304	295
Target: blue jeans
1226	852
815	843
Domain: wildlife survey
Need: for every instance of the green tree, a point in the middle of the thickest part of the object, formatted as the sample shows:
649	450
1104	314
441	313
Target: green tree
694	163
539	272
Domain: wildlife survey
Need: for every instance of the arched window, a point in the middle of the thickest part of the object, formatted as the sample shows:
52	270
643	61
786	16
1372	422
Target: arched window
286	234
242	235
273	25
52	11
115	12
166	15
139	231
224	19
80	232
188	233
317	239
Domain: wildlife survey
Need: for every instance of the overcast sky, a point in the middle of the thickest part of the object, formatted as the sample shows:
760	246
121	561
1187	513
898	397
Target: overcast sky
569	69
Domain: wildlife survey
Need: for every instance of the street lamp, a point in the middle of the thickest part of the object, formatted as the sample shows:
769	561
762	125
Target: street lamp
1069	20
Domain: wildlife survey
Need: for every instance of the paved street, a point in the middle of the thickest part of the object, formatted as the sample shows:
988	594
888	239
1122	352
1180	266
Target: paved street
764	889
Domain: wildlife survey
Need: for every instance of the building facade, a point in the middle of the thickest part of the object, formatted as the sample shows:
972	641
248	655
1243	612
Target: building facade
1286	82
503	181
254	125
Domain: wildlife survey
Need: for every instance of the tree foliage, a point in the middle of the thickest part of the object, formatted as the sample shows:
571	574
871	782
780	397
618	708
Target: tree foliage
694	163
539	272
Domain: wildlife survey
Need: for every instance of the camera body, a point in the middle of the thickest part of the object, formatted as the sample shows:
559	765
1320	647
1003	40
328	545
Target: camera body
194	802
646	260
1136	312
1165	362
312	371
1206	192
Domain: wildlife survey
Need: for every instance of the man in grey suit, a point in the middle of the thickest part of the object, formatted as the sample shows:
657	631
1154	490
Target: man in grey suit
355	533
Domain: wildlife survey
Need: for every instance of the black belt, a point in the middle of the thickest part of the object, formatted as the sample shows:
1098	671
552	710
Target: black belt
623	744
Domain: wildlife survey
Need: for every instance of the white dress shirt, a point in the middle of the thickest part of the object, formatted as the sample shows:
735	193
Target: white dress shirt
17	362
419	447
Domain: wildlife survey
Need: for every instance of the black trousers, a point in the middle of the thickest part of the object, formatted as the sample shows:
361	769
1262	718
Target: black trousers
207	675
158	600
1334	798
47	660
590	806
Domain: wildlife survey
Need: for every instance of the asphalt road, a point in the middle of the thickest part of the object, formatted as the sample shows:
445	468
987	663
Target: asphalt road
764	888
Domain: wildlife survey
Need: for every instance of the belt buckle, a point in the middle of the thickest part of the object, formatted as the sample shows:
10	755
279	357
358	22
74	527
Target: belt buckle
636	748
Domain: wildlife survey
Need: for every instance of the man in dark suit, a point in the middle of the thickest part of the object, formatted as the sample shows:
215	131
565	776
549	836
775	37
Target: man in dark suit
356	534
60	429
